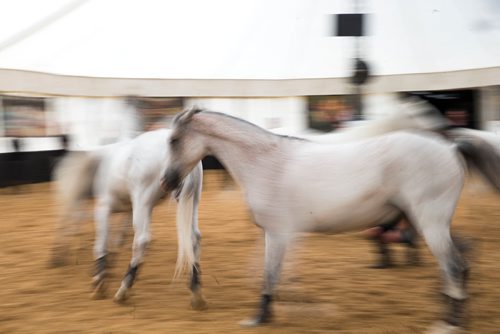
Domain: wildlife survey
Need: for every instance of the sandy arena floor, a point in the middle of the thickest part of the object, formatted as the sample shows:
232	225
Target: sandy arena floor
326	285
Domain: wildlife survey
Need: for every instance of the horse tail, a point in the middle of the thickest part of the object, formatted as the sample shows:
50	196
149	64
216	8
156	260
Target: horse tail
74	176
480	156
187	195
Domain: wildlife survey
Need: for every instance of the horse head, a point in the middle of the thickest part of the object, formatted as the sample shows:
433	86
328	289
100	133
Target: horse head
186	150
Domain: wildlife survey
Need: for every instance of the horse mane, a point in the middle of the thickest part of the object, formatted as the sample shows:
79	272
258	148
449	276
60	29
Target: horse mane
240	120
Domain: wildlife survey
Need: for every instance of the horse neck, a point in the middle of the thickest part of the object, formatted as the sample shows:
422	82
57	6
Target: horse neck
244	149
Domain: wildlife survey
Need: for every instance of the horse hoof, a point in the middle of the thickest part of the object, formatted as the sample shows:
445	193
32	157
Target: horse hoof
57	262
442	327
99	290
380	266
198	303
253	322
256	321
121	295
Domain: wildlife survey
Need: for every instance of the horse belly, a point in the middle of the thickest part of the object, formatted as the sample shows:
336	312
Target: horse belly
337	222
121	199
350	210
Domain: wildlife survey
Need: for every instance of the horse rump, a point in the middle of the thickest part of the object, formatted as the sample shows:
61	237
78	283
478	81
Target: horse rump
74	176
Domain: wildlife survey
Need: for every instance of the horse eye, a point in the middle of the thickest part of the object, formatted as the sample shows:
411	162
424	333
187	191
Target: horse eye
174	141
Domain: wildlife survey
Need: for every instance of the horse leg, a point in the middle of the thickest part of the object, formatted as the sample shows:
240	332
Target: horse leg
410	236
141	217
384	252
67	227
101	216
376	234
198	302
276	245
60	247
120	237
455	272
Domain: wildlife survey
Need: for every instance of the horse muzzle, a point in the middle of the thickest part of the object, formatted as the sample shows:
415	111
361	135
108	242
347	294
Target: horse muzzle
171	180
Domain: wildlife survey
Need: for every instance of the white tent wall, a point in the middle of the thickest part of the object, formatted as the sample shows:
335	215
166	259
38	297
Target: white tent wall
91	122
286	115
489	108
95	121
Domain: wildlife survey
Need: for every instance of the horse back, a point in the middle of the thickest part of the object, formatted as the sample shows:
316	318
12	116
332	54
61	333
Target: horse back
364	180
133	166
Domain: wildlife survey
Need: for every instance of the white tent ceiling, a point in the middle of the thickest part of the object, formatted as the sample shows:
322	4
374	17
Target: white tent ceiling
244	39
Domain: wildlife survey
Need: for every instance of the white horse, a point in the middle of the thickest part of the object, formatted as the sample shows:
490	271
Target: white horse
412	113
293	185
125	177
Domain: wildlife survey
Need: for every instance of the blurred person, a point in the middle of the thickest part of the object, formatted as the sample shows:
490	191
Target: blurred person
458	118
399	230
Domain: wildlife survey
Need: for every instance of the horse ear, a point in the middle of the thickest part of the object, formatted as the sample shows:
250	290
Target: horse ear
193	110
186	115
